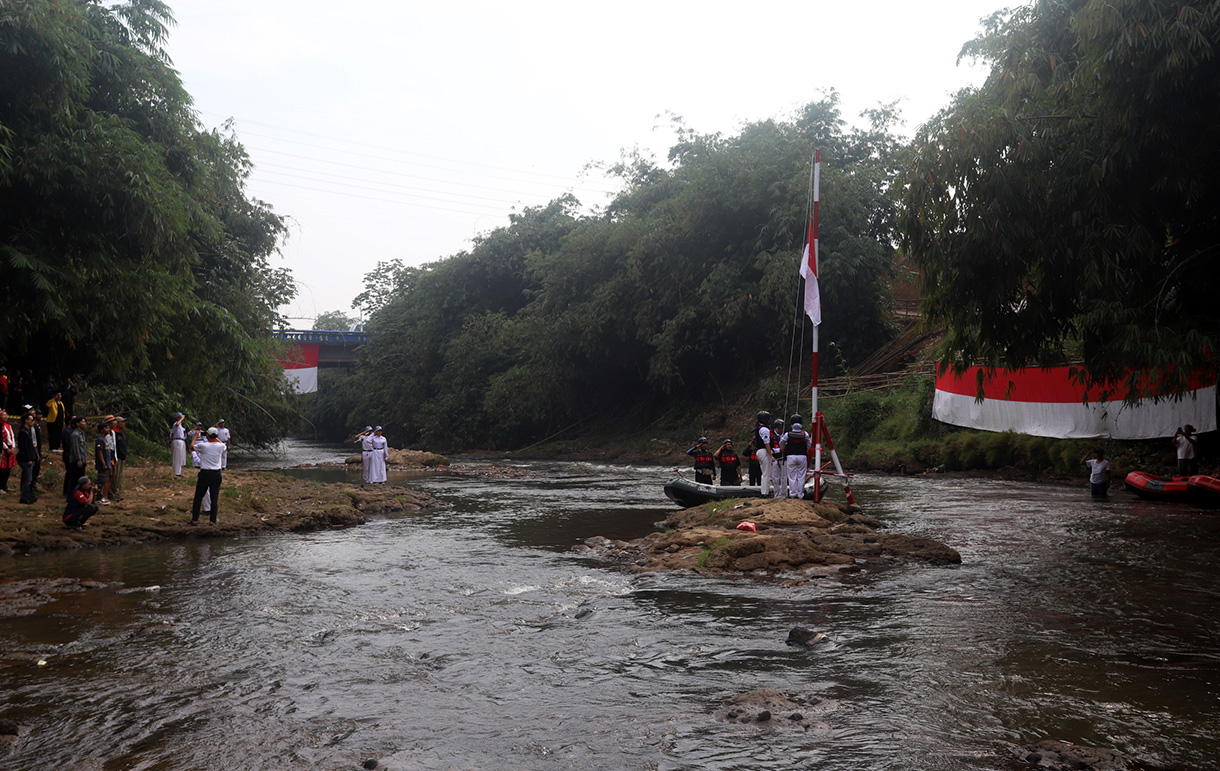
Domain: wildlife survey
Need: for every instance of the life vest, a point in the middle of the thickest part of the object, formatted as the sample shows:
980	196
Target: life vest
729	458
798	444
757	441
703	459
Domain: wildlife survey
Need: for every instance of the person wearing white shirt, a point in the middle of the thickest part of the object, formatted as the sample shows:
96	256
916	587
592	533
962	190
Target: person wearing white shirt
1099	473
225	436
212	458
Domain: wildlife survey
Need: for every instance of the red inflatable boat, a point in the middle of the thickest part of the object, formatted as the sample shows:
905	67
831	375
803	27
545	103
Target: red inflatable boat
1157	488
1204	490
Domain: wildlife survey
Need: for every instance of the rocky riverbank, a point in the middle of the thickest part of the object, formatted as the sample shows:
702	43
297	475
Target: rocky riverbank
789	536
157	505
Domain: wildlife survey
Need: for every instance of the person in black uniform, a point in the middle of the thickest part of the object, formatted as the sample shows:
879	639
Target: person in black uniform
705	464
730	464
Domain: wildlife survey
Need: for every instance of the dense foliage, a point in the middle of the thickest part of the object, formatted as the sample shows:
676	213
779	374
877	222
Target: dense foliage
1066	208
686	284
129	249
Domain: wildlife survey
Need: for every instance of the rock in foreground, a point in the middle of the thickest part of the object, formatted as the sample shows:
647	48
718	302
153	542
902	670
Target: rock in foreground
792	535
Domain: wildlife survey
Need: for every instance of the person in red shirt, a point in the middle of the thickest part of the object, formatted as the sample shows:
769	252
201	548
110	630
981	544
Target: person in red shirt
80	504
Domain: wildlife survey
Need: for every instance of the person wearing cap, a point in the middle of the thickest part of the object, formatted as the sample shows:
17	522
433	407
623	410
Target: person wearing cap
365	438
212	457
191	438
705	464
118	428
730	464
177	444
76	454
79	506
224	435
8	450
378	456
795	446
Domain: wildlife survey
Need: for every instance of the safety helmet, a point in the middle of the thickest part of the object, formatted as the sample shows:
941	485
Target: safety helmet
794	419
763	417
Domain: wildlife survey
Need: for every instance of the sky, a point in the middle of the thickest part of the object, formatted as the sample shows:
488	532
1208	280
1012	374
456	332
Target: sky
402	130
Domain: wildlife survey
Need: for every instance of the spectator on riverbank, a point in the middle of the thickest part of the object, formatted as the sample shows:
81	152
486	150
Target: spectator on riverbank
378	456
55	420
27	456
76	454
225	436
118	431
212	457
103	461
79	506
8	450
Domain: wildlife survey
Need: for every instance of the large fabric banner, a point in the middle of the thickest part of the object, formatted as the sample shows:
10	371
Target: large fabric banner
301	367
1047	402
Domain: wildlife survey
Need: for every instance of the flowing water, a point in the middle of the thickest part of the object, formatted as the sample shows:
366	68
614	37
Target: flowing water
473	636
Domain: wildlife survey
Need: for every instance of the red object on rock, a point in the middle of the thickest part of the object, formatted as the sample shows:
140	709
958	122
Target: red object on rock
747	526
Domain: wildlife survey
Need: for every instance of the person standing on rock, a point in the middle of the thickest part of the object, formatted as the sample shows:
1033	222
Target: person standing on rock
212	457
795	445
364	439
705	464
779	476
378	456
177	444
761	445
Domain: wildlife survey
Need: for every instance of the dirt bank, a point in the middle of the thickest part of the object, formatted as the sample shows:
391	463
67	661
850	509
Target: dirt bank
157	506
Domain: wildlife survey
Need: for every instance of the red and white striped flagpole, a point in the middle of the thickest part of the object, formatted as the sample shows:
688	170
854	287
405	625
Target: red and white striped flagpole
813	276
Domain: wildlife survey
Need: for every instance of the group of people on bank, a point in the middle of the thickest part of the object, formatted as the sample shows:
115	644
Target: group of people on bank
778	460
25	446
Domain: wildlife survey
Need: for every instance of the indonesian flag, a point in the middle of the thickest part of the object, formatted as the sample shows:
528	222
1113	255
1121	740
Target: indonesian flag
809	260
1048	402
301	367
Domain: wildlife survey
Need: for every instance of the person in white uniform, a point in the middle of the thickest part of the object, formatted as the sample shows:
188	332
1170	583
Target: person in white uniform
177	444
364	438
377	457
762	449
212	456
225	436
795	445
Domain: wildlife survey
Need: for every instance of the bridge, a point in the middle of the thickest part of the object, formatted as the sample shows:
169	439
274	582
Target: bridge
336	348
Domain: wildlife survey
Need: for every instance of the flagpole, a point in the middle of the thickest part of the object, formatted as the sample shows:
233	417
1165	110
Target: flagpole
813	264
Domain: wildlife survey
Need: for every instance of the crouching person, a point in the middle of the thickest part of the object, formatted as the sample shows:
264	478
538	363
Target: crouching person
80	504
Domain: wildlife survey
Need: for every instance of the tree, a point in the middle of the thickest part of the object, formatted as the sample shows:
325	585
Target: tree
1066	207
131	251
334	320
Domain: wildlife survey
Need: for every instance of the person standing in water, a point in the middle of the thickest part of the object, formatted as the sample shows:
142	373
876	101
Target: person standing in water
1099	473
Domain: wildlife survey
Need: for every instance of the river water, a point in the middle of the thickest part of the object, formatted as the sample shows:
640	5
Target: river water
473	636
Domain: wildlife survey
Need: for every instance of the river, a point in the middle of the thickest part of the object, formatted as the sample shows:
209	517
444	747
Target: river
473	636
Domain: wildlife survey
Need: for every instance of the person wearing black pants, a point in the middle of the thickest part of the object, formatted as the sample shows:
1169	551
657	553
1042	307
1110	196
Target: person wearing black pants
212	457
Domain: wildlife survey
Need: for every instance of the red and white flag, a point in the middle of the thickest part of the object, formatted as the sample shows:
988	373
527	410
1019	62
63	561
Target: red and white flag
809	260
301	367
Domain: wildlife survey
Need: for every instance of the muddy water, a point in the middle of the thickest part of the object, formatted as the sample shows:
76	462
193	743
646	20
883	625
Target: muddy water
473	637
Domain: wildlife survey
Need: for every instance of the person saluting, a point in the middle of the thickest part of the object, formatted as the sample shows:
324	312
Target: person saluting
213	456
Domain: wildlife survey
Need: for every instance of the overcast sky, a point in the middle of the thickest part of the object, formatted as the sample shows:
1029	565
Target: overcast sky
403	129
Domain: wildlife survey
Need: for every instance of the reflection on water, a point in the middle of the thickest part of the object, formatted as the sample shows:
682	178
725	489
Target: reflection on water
471	636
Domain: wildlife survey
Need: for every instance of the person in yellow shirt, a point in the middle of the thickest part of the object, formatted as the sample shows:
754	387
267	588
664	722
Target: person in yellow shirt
54	419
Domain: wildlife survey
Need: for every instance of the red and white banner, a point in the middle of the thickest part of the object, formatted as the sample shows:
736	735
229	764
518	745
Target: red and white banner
1047	402
301	367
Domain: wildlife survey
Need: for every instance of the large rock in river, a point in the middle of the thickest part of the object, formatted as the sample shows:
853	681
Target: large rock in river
791	535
